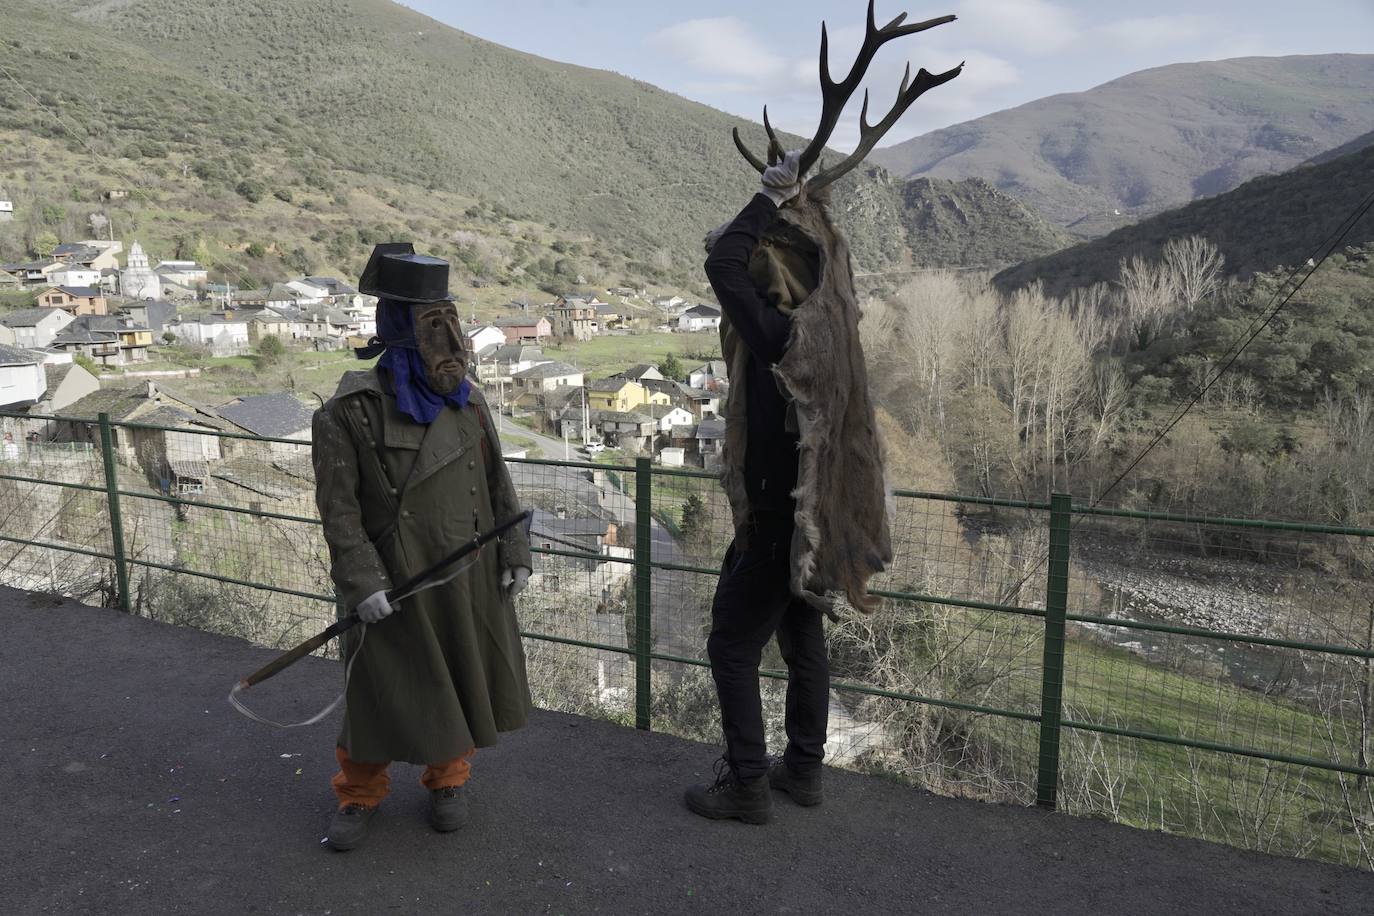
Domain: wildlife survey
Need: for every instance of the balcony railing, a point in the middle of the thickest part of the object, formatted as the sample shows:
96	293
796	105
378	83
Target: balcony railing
1207	676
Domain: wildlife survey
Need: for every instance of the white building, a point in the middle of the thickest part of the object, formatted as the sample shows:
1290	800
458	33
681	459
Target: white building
22	379
675	417
74	275
483	336
222	336
699	318
183	273
138	280
707	373
310	293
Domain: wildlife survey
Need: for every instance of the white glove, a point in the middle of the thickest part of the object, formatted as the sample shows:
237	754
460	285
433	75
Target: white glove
782	182
374	607
513	581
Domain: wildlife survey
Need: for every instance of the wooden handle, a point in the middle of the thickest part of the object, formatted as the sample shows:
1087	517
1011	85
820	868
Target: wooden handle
286	659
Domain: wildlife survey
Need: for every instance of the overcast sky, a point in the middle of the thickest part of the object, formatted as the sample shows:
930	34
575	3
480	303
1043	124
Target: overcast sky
737	56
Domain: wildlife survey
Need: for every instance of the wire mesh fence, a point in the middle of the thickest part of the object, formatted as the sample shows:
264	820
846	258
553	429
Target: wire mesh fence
1213	677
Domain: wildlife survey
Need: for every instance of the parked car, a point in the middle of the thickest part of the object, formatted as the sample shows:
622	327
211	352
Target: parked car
594	446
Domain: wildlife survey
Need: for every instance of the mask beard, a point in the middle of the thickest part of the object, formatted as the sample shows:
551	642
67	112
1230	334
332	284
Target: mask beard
439	339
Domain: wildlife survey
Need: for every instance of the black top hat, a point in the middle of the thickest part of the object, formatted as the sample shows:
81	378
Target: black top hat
395	271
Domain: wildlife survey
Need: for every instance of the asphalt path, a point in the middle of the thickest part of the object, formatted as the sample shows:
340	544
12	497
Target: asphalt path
134	788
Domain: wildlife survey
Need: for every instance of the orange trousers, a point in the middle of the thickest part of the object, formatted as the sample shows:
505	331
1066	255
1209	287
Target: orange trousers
368	783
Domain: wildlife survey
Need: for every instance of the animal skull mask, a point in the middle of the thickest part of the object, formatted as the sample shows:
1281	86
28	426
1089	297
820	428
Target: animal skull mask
439	339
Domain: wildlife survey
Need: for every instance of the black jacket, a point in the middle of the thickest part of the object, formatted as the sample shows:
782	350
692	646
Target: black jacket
770	461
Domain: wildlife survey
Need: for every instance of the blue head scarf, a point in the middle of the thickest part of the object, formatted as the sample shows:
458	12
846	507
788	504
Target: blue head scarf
395	341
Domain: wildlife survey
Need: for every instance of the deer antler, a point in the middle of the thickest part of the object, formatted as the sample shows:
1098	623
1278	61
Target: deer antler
835	96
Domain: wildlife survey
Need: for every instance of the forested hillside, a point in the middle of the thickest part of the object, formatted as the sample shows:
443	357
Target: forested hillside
1269	221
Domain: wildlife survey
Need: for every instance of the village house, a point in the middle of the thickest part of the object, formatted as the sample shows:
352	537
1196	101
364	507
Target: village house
176	455
221	335
106	339
277	296
93	254
556	532
547	377
525	329
500	364
702	402
9	282
710	438
667	418
669	303
154	314
275	416
708	375
610	318
22	379
34	273
632	431
641	373
269	323
186	274
35	327
75	275
481	336
74	300
616	394
699	318
574	321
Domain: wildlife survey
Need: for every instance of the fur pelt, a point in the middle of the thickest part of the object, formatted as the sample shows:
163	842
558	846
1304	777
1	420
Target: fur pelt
842	533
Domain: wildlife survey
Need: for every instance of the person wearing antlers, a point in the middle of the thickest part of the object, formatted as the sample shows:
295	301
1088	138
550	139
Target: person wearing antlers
408	467
803	464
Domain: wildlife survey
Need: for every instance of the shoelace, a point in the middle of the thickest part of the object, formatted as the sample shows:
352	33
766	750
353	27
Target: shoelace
725	777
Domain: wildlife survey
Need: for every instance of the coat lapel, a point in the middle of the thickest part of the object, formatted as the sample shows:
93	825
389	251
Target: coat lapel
445	440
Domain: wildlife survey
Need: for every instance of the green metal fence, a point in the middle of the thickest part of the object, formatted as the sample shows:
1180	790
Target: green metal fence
1208	676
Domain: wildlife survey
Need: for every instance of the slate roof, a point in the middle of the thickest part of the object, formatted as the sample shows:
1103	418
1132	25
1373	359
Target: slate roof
522	322
619	416
15	356
335	286
278	414
711	428
515	353
636	373
77	334
548	370
27	318
119	403
684	432
703	311
85	292
609	384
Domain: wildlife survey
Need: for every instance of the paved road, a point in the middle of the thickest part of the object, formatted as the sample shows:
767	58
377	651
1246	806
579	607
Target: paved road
133	788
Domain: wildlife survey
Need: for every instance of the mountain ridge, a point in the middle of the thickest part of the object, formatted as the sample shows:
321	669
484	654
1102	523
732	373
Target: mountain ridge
1153	139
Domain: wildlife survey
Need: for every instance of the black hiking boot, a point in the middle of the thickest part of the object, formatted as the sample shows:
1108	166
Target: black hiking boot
448	808
804	789
349	826
728	797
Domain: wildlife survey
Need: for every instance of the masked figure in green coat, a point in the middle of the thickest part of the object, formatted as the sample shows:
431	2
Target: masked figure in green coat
408	467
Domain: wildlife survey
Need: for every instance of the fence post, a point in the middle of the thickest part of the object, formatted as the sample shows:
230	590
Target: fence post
112	503
1052	686
644	492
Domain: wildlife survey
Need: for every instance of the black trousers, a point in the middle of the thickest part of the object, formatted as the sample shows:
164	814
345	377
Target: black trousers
752	603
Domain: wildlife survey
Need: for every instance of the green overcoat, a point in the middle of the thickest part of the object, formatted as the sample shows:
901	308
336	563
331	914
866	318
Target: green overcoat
446	671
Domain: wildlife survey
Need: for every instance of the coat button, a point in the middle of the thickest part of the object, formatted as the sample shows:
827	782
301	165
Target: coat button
367	421
472	491
394	491
471	465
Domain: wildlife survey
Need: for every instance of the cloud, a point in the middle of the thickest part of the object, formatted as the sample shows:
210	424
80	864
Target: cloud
1149	32
1027	26
723	47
